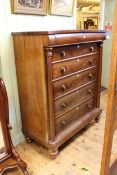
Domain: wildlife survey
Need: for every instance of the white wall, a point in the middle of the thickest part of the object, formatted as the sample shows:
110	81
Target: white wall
0	68
13	23
108	16
102	11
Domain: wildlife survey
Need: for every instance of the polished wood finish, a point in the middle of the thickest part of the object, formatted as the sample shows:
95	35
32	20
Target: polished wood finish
11	159
74	115
69	52
109	167
70	100
32	84
74	82
52	66
75	65
74	38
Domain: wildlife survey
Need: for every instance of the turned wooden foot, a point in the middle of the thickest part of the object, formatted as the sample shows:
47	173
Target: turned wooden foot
28	139
25	171
53	153
97	119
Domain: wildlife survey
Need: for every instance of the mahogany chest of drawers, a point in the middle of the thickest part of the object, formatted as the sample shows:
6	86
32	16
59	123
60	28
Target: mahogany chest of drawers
59	77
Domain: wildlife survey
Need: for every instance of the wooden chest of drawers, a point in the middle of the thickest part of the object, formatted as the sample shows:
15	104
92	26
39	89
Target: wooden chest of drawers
59	76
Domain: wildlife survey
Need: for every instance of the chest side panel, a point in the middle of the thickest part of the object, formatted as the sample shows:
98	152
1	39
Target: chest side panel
31	75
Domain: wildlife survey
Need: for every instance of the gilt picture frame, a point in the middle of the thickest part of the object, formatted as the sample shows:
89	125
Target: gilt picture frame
30	7
62	7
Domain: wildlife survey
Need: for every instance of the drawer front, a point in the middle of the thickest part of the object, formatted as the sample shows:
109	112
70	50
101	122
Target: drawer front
67	67
74	115
67	84
61	53
67	102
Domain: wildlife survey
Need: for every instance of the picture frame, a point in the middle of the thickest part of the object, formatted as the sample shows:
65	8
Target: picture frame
30	7
91	22
62	7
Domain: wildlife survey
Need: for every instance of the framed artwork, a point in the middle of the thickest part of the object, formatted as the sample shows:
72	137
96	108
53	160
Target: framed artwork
90	22
36	7
61	7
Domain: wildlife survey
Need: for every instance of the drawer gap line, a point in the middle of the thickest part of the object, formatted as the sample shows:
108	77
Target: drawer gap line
72	58
75	73
74	90
56	117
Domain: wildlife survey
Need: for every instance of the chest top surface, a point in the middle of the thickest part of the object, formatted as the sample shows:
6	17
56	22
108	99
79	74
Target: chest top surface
66	37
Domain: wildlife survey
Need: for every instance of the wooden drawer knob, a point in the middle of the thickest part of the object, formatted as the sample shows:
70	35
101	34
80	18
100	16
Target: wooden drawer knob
90	75
63	69
89	106
63	88
63	53
63	105
78	46
78	60
9	126
90	61
91	48
89	90
64	122
84	36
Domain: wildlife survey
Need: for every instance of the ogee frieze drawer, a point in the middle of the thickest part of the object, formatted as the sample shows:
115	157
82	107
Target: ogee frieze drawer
73	82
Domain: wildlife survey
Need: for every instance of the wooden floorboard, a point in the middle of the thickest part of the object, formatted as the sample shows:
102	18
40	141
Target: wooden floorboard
79	156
